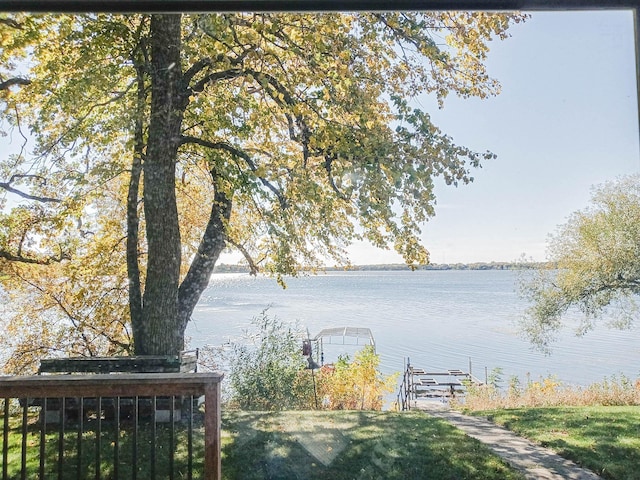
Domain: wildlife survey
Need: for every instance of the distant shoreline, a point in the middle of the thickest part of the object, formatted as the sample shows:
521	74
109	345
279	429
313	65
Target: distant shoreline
225	268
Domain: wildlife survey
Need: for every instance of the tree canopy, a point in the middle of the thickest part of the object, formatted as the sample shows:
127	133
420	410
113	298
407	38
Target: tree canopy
594	266
161	140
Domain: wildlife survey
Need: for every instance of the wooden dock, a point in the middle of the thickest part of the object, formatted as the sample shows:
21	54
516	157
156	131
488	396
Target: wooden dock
418	383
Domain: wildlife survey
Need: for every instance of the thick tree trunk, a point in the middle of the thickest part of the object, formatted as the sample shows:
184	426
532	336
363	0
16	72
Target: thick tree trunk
160	317
161	333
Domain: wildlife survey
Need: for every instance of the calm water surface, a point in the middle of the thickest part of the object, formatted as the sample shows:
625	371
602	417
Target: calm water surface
439	319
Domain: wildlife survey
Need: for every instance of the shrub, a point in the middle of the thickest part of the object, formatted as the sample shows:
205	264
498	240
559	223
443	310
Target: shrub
357	385
266	368
548	392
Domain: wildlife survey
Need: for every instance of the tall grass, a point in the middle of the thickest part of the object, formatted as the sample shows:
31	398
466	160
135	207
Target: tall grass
549	392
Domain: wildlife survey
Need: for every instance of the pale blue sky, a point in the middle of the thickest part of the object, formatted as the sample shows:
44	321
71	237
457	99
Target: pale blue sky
566	120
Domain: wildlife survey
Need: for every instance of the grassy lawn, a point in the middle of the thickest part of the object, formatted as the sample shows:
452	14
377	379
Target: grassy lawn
360	445
144	463
352	445
284	445
603	439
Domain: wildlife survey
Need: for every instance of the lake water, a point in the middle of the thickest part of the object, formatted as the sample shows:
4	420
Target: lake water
439	319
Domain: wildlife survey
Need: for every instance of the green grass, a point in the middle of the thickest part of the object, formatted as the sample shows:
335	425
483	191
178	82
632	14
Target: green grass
362	445
126	463
293	445
605	440
352	445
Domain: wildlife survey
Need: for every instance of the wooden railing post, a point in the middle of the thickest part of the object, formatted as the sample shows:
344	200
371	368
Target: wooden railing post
212	422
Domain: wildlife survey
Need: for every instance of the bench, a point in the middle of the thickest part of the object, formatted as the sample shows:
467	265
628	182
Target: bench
74	407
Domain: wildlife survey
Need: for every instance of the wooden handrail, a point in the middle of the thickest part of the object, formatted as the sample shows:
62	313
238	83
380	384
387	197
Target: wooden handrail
105	385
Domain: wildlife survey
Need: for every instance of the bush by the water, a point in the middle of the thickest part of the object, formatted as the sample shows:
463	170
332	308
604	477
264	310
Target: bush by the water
356	385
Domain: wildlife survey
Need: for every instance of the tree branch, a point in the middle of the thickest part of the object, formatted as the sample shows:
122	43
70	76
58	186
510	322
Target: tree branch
253	267
25	140
35	261
80	325
7	186
204	63
212	243
79	122
215	76
328	161
200	65
236	152
10	22
284	96
133	219
398	32
6	84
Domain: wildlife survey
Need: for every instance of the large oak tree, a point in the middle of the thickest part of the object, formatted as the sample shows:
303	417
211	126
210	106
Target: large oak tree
161	140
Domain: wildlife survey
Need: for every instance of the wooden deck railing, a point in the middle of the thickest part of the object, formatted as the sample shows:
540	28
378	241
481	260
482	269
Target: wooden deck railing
26	396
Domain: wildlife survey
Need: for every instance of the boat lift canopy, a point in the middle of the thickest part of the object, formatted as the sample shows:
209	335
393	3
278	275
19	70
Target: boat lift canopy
339	336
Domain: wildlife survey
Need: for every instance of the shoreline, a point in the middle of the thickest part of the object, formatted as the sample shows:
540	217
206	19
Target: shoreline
390	267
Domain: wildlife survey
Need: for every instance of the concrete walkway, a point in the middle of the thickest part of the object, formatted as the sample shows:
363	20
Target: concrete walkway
536	462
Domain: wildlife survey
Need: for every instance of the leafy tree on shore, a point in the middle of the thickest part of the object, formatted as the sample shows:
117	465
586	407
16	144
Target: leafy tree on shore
594	266
161	140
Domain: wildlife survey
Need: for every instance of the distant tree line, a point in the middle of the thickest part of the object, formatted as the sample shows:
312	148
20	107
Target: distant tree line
225	268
